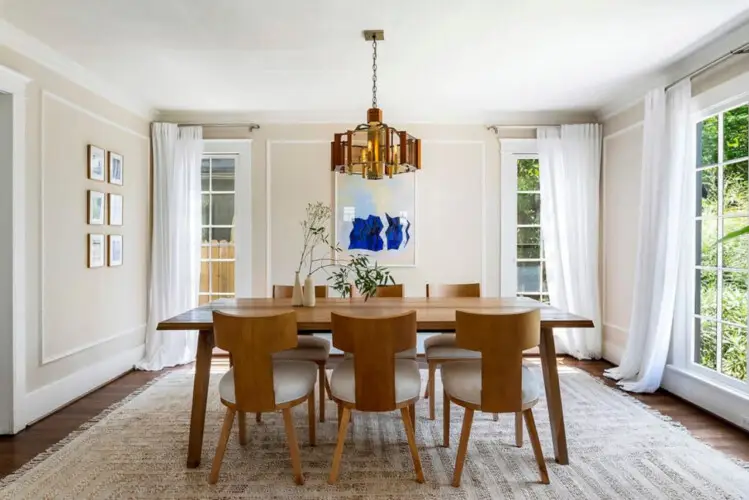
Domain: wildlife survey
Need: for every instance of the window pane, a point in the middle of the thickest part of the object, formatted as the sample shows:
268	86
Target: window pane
545	288
707	147
707	335
204	299
707	282
206	235
205	209
223	209
735	133
529	242
734	298
223	174
707	188
707	239
205	269
545	299
223	277
222	234
735	250
736	188
733	351
529	276
528	179
529	208
205	175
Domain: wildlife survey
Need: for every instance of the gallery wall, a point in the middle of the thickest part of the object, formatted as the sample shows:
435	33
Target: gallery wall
83	326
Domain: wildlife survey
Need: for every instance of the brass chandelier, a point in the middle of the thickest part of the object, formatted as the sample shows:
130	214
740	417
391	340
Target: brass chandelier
374	149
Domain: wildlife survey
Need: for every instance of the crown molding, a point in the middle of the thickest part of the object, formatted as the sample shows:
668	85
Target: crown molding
26	45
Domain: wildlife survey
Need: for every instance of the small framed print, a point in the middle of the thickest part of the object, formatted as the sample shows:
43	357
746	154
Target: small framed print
95	250
115	209
96	163
96	207
115	250
116	165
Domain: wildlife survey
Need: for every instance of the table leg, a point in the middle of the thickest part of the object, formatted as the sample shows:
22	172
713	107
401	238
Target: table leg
199	397
553	395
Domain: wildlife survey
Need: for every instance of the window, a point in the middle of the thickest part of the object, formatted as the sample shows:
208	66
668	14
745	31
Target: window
722	269
531	264
217	258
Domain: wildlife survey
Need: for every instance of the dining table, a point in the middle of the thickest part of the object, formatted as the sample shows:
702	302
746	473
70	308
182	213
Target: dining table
432	315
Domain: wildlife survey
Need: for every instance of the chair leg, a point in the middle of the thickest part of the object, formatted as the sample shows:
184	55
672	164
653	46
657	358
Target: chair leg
407	419
338	453
296	462
463	446
340	415
221	448
530	423
495	417
258	417
445	419
412	414
311	417
519	429
321	382
242	428
430	386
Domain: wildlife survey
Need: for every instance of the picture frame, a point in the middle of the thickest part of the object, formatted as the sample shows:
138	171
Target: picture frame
95	252
116	168
96	163
96	207
116	209
115	247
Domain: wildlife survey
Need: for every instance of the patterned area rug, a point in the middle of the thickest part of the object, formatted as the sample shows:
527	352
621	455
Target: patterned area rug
619	449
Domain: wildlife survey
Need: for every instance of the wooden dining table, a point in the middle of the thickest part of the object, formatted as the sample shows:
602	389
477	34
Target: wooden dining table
432	315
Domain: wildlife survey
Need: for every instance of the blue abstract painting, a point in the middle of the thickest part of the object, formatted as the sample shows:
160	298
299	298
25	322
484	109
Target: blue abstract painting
377	218
365	235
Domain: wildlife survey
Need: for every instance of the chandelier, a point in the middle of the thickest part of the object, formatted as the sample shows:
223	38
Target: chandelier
374	149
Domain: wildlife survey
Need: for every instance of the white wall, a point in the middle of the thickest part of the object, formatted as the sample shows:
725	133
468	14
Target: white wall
83	326
6	261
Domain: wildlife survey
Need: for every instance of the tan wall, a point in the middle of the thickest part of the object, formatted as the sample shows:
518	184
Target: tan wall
78	317
458	190
622	164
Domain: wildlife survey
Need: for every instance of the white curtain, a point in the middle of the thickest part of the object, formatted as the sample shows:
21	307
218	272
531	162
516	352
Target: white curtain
570	169
667	160
175	242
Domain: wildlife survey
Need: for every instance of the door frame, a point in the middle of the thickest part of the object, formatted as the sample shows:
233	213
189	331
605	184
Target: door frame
12	411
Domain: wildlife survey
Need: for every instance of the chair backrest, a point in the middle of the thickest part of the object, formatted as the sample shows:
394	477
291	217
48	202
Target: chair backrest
501	338
286	291
461	290
251	341
374	341
382	291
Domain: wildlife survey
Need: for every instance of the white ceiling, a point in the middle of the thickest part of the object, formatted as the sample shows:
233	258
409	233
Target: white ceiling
440	56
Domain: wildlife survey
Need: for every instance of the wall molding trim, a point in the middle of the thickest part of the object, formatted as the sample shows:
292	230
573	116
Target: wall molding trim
624	130
48	399
44	357
41	53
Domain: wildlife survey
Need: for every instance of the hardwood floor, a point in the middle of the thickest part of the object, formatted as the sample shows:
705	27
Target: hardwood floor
21	448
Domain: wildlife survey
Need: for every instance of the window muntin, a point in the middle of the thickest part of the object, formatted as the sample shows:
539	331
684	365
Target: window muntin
530	257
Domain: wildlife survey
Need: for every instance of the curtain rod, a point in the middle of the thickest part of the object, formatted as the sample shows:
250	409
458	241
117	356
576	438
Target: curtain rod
740	50
497	128
251	126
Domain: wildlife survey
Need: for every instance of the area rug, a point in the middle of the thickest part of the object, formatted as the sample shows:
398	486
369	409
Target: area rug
619	449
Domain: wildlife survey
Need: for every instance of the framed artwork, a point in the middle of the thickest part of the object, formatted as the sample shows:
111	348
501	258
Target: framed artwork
96	207
116	165
115	209
377	218
96	160
114	244
95	250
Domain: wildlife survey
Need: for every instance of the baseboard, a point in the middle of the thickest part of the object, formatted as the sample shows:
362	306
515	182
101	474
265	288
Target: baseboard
726	403
612	352
48	399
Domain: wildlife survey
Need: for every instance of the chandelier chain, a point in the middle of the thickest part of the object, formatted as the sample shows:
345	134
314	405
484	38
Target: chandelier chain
374	72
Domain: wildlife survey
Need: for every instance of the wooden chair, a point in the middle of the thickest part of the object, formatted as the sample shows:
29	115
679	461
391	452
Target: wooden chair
387	291
257	382
498	382
374	380
310	348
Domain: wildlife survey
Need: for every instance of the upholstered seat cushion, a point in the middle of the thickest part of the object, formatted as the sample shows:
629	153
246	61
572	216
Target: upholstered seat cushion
407	381
442	346
310	348
440	340
462	380
291	380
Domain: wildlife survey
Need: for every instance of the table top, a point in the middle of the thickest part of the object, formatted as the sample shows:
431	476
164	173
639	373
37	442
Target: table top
432	314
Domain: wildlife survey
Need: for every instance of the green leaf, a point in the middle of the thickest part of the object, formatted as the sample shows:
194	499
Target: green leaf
735	234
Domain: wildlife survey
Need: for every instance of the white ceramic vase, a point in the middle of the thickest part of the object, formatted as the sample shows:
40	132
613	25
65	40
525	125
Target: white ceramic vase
297	296
309	292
